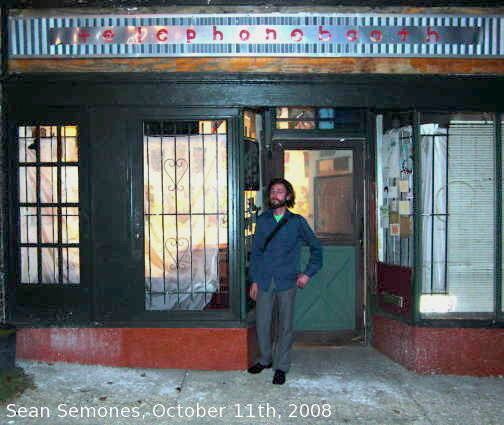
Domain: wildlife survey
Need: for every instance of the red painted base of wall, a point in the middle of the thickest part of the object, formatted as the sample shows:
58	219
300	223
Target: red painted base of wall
452	351
180	348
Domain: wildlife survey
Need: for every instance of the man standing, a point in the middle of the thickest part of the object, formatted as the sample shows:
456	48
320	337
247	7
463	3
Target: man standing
274	272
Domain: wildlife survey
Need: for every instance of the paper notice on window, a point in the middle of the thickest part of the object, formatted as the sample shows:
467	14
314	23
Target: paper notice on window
404	208
395	229
392	192
404	186
406	227
384	217
393	217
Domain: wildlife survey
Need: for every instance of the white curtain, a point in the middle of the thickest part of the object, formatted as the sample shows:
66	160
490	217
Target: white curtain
433	209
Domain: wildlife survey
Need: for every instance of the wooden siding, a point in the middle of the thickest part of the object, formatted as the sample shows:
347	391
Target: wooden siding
265	65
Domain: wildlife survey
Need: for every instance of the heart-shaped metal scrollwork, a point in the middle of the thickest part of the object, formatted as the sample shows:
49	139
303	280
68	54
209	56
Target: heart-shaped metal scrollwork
179	168
178	250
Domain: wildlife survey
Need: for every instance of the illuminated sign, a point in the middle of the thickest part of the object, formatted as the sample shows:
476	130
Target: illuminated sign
257	35
262	34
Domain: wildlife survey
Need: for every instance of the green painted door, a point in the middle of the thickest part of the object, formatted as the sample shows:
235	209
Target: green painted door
327	182
327	303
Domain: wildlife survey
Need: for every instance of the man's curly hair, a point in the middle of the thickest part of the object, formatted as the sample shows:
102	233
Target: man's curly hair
289	203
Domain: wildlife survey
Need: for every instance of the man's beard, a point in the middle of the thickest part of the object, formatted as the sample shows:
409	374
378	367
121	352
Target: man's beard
277	204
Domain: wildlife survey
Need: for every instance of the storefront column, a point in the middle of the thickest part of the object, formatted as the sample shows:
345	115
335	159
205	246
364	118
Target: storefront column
3	65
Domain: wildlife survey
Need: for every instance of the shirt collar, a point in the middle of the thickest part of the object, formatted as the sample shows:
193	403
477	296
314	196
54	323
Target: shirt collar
287	212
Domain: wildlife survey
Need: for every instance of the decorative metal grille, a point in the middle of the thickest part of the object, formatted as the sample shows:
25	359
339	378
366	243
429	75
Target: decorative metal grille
48	167
186	215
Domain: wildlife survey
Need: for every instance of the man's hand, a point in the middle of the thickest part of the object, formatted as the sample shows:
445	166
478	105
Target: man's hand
253	291
302	280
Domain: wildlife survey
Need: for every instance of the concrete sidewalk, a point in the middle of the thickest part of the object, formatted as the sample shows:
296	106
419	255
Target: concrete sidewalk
333	385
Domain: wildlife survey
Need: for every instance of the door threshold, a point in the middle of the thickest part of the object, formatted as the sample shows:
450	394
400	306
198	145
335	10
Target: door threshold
328	338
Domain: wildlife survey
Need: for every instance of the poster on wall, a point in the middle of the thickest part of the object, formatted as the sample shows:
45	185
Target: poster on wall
395	229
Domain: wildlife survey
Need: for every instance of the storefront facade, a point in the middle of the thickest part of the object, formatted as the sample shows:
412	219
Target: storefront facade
138	144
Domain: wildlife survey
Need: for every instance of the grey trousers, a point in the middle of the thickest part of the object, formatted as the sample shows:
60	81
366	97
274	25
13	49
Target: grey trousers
280	354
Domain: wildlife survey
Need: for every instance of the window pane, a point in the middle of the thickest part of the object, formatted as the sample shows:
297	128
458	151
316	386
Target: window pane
197	156
395	188
251	165
211	171
185	193
28	224
69	131
51	228
433	156
27	149
300	113
326	125
249	125
69	145
212	127
48	184
71	265
326	113
69	184
28	184
70	225
50	272
222	186
49	221
29	265
458	203
324	188
299	118
48	149
298	125
47	131
252	188
308	118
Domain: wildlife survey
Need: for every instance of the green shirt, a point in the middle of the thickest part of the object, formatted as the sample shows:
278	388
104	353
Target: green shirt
278	217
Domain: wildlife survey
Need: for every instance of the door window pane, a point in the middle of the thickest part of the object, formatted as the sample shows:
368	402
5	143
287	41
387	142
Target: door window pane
323	181
185	215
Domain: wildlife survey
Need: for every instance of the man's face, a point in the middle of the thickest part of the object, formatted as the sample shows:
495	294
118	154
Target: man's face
278	196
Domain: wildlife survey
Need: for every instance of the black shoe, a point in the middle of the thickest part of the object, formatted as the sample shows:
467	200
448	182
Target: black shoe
279	378
258	368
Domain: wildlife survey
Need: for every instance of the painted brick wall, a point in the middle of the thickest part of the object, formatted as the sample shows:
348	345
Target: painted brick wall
181	348
452	351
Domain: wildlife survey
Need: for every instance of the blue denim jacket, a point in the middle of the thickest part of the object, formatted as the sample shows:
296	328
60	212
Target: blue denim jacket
281	258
